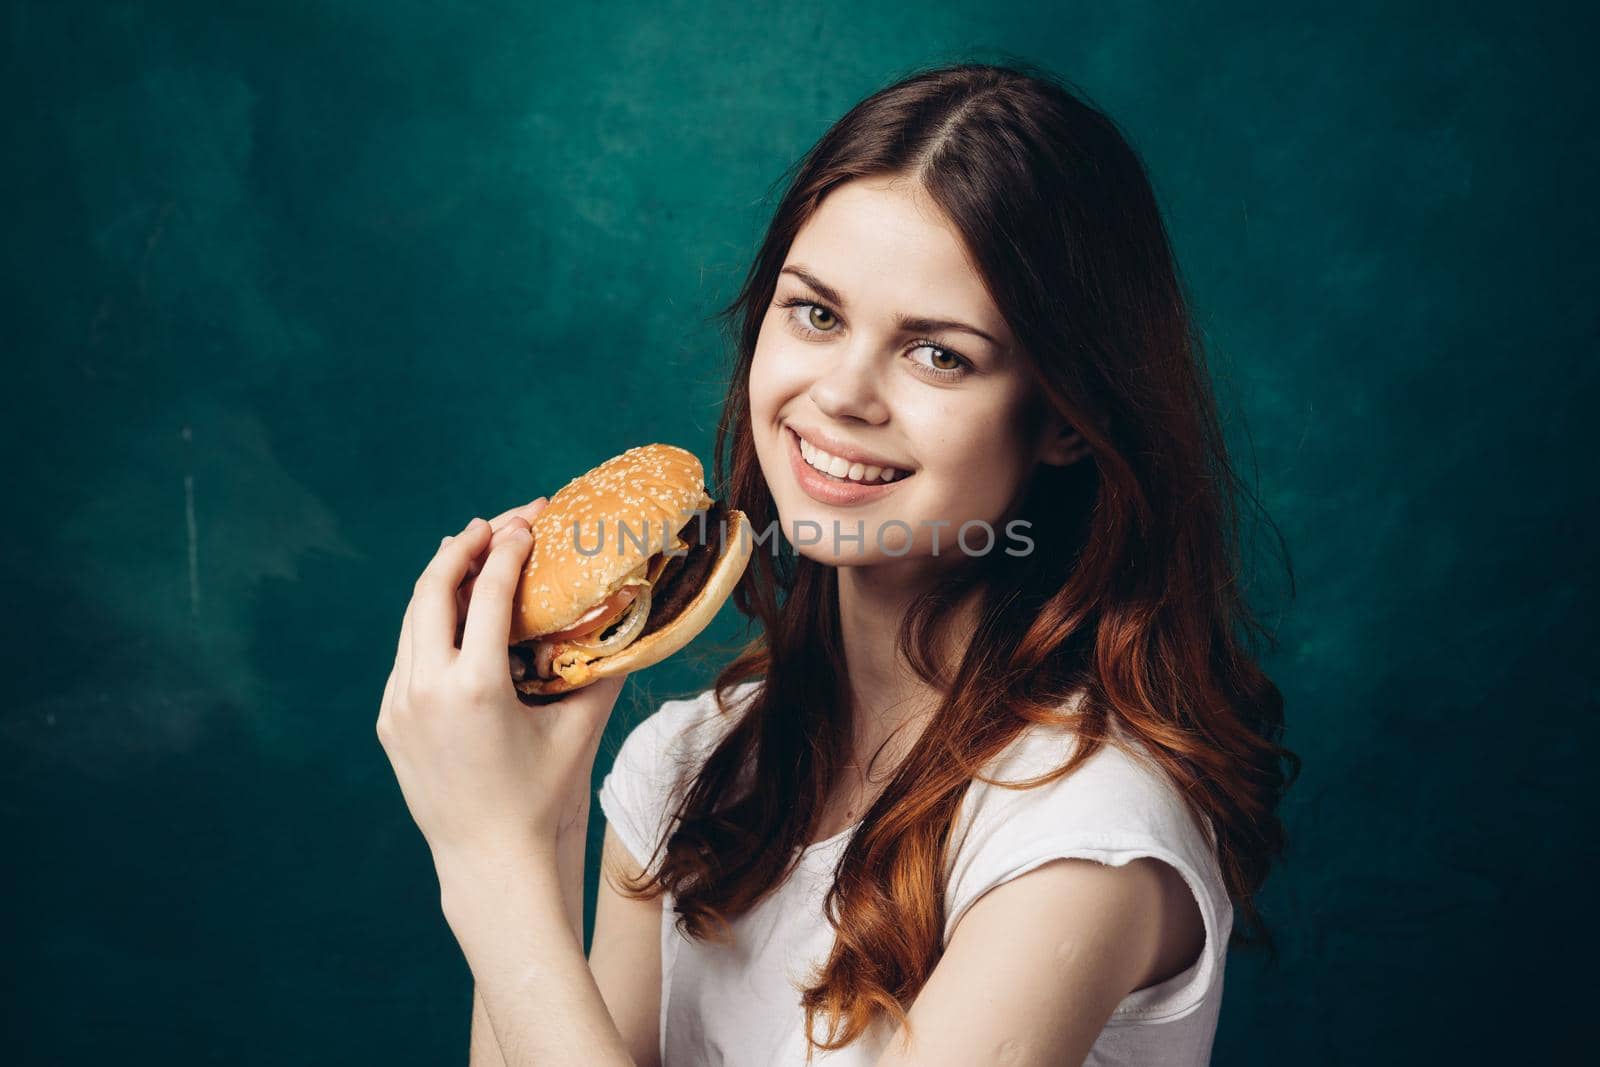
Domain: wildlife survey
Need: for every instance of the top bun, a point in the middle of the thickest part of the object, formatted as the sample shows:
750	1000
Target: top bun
653	489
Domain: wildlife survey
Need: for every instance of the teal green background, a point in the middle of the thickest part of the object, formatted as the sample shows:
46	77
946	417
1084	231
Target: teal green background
294	289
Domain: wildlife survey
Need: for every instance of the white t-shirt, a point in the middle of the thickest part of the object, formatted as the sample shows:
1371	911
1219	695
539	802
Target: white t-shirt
739	1005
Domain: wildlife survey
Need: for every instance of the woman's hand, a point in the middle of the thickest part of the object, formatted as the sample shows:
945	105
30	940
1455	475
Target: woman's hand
481	771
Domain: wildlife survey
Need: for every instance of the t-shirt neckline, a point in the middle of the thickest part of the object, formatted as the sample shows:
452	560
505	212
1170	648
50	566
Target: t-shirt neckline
816	846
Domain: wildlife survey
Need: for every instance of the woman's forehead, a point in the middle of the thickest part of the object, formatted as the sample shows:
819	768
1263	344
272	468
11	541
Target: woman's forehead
885	248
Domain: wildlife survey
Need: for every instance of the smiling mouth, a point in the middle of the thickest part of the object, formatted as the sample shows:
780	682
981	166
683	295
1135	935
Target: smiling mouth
842	470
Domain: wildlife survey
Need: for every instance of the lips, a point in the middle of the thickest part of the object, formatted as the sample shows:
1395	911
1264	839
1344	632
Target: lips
839	467
843	460
827	489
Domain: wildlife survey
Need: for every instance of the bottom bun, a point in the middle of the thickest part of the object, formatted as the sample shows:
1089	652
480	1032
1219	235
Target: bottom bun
733	555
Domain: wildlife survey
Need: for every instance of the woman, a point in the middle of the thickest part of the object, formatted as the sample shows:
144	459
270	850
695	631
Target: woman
997	802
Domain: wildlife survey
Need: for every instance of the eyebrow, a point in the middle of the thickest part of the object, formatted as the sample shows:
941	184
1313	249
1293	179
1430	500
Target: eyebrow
909	323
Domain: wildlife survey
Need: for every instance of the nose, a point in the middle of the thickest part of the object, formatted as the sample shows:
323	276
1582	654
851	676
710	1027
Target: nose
849	389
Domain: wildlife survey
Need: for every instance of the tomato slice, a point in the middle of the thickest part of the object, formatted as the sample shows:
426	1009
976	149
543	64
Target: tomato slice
599	617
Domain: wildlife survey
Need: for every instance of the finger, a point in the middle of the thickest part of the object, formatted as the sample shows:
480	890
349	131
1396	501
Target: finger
402	656
527	512
520	510
463	594
488	624
433	604
509	520
464	591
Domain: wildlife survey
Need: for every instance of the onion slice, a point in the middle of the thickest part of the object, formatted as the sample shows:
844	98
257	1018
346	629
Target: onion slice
627	629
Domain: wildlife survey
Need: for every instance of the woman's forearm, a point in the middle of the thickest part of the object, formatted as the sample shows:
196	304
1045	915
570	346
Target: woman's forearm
483	1049
513	923
571	853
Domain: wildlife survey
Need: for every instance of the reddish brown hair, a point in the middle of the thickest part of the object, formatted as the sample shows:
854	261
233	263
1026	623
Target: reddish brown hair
1132	594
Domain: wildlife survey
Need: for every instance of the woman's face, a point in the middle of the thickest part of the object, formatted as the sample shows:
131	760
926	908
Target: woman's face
941	402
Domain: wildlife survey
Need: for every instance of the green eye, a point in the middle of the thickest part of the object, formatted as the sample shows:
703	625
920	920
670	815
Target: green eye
809	319
940	362
821	318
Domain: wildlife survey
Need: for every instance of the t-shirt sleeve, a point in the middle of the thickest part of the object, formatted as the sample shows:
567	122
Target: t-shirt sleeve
652	769
1112	809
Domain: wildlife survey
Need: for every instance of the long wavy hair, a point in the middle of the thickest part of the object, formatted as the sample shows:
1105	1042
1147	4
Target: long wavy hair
1132	601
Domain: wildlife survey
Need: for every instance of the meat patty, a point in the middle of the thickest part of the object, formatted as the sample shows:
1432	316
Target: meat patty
684	576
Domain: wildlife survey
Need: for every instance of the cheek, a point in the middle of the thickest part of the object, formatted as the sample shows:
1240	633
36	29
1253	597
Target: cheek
775	377
977	470
976	482
761	390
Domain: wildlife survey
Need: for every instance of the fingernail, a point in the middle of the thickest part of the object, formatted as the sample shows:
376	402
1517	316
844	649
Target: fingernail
445	540
472	526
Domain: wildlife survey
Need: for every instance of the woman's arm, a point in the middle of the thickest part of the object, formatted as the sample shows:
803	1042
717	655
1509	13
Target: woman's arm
1035	968
495	787
513	926
625	955
483	1049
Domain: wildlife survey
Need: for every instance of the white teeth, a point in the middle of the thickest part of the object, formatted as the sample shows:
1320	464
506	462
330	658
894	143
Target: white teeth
843	468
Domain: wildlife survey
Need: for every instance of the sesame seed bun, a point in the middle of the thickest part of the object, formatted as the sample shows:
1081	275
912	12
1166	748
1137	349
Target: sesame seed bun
653	490
688	550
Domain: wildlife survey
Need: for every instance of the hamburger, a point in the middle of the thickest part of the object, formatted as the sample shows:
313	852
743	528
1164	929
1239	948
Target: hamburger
630	561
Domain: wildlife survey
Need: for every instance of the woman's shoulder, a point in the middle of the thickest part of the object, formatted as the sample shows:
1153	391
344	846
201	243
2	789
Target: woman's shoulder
1118	791
1116	806
1117	802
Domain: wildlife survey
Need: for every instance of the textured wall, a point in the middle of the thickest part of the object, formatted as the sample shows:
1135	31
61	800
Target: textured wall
293	290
